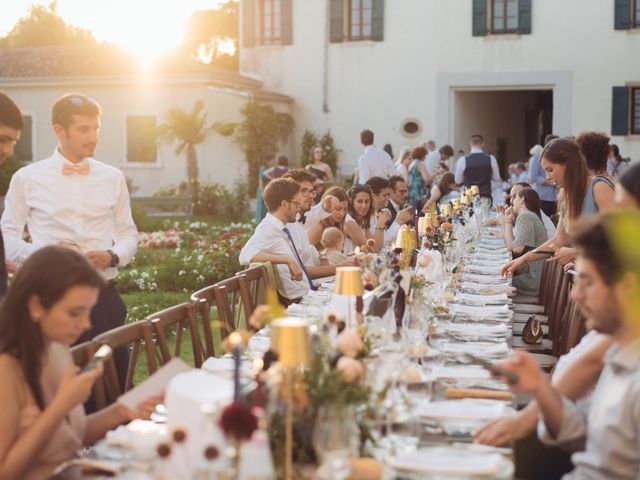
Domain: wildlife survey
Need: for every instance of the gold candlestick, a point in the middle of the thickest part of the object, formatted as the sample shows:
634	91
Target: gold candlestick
290	340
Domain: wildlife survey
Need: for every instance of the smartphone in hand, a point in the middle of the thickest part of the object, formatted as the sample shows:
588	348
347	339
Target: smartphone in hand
99	357
512	378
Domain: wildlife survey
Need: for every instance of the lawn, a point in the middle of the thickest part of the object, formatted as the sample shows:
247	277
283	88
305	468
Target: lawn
182	256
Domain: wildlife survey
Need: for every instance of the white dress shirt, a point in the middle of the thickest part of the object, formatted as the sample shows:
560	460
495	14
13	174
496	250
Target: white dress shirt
92	211
461	165
375	162
612	428
270	238
308	253
548	225
431	161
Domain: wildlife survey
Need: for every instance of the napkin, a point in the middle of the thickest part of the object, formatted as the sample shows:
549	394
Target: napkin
488	311
481	349
224	366
478	329
495	270
449	461
474	299
485	279
465	409
462	372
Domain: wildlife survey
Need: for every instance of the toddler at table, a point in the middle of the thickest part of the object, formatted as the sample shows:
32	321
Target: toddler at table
333	243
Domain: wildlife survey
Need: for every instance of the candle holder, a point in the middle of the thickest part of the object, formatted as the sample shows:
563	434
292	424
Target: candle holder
349	283
446	209
290	340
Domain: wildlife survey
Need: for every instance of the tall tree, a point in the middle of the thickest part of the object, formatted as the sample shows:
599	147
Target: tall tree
187	130
262	131
212	36
43	26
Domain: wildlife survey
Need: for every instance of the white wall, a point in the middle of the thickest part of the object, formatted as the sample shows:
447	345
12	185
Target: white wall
573	49
219	159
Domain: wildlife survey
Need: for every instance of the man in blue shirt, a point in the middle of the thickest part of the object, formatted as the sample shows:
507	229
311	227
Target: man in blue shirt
547	191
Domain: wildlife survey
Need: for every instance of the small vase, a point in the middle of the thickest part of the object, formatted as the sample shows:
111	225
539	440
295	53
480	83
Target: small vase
335	440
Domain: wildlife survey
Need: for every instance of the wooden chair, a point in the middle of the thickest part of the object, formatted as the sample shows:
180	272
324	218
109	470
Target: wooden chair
229	304
81	354
254	283
175	320
203	303
135	336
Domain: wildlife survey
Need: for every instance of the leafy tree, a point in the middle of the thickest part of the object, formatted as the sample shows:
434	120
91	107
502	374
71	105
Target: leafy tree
331	153
261	132
205	31
43	26
187	130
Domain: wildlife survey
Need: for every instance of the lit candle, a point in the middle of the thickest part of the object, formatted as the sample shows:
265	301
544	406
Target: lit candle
399	237
235	339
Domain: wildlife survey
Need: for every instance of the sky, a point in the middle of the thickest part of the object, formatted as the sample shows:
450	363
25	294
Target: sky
147	28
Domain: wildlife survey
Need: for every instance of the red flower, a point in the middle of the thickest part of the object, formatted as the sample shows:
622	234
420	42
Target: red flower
238	421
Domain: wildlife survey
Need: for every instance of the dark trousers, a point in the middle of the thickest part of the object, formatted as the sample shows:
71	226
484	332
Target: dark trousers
548	207
536	461
108	313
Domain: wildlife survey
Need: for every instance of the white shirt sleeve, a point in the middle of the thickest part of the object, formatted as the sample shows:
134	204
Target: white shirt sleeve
250	249
14	219
462	164
495	170
363	170
572	427
126	234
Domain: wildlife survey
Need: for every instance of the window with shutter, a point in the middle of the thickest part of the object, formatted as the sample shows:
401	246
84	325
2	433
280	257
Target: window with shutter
24	147
270	22
623	14
620	111
635	111
360	18
141	139
636	13
479	18
248	23
504	16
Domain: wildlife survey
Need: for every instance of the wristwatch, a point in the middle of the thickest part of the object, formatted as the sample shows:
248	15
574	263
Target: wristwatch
115	260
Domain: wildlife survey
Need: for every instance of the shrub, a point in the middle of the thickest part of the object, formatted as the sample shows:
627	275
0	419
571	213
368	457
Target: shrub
10	166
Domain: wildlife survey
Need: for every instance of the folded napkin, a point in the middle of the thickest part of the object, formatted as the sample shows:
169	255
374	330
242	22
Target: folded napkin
449	461
478	329
484	289
495	270
462	372
481	349
137	433
485	279
465	409
488	311
474	299
259	343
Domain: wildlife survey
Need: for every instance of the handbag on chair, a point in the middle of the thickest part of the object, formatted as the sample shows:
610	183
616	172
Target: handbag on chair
532	331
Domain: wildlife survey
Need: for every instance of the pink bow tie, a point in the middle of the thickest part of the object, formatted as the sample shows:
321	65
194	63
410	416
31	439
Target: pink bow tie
79	168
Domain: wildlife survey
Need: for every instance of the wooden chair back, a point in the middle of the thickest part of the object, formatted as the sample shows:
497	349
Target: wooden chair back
228	301
203	302
174	321
136	337
81	354
254	283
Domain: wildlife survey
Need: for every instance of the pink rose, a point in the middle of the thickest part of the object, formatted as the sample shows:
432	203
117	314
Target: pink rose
349	342
424	260
350	368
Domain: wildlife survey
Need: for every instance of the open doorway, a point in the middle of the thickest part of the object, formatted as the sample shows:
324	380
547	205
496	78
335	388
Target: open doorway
511	121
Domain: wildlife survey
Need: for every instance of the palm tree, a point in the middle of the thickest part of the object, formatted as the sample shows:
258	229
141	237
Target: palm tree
187	129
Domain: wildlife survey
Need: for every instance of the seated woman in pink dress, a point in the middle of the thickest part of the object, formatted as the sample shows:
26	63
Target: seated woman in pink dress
42	419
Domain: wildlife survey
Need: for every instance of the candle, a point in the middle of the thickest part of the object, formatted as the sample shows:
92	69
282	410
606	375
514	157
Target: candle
422	224
236	340
399	237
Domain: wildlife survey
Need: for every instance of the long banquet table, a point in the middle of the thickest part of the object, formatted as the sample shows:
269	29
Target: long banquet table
479	322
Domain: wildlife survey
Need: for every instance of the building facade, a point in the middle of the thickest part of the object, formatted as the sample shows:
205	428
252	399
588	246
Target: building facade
415	70
133	104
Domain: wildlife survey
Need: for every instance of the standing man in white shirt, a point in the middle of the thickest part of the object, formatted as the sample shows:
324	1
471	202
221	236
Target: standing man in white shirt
433	157
374	162
478	168
73	200
11	124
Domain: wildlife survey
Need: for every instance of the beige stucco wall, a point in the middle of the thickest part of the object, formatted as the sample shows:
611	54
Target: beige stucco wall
220	160
428	51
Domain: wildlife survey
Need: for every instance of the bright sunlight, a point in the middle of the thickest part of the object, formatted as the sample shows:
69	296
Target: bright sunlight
146	28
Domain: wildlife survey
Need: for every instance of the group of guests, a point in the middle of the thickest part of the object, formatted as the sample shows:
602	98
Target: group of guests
76	211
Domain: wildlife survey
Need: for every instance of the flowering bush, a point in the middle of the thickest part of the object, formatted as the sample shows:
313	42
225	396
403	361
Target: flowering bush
185	257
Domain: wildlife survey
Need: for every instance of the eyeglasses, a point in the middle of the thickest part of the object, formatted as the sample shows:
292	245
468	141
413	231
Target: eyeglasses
76	101
297	204
404	190
306	192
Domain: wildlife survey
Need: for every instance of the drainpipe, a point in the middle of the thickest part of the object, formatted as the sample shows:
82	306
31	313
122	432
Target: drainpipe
325	80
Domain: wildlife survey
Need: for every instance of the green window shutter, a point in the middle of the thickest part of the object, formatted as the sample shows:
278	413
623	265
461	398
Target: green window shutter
479	28
24	147
524	16
622	15
377	20
336	33
286	22
620	111
248	23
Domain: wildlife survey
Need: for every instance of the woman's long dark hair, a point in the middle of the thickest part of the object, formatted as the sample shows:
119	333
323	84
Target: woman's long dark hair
365	222
531	200
562	151
446	180
47	274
